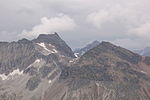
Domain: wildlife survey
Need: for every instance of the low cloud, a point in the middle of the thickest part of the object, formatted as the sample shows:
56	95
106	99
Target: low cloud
99	18
8	36
132	17
60	23
142	31
132	43
113	20
128	14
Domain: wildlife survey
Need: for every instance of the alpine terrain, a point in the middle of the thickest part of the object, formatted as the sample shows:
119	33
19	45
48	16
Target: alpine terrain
46	69
144	52
80	52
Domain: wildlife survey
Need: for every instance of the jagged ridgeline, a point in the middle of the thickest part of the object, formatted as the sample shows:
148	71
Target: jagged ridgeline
46	69
29	67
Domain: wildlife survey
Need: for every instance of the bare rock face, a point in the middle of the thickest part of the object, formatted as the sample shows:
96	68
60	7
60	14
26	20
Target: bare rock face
109	51
45	69
16	55
55	40
106	72
28	68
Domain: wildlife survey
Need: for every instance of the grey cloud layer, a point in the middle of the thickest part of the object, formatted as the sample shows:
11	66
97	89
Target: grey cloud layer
124	22
60	23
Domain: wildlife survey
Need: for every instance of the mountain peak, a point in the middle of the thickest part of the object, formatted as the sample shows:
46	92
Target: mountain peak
24	41
95	43
105	43
47	37
109	50
80	52
55	40
43	35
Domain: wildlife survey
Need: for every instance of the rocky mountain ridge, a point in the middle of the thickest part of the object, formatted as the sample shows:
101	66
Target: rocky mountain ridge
46	69
80	52
106	72
27	66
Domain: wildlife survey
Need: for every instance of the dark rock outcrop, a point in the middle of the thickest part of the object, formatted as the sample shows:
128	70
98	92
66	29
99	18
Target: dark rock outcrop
55	40
28	68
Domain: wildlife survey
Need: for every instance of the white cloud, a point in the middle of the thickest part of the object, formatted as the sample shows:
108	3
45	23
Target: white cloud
99	18
142	30
132	43
60	23
127	43
133	16
131	13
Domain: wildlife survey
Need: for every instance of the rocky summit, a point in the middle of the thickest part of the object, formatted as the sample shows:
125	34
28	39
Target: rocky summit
28	68
46	69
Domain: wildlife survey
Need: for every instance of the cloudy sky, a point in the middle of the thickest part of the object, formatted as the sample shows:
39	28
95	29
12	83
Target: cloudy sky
123	22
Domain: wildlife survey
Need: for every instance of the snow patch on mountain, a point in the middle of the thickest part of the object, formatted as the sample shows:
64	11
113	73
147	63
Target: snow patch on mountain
76	54
45	48
37	61
11	75
144	72
50	81
3	76
55	51
51	45
34	63
17	71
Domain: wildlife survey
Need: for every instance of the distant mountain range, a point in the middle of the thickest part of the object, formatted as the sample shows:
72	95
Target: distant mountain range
144	52
80	52
46	69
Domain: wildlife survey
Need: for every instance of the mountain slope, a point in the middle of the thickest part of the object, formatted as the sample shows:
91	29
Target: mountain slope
144	52
55	40
106	72
80	52
41	70
28	68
